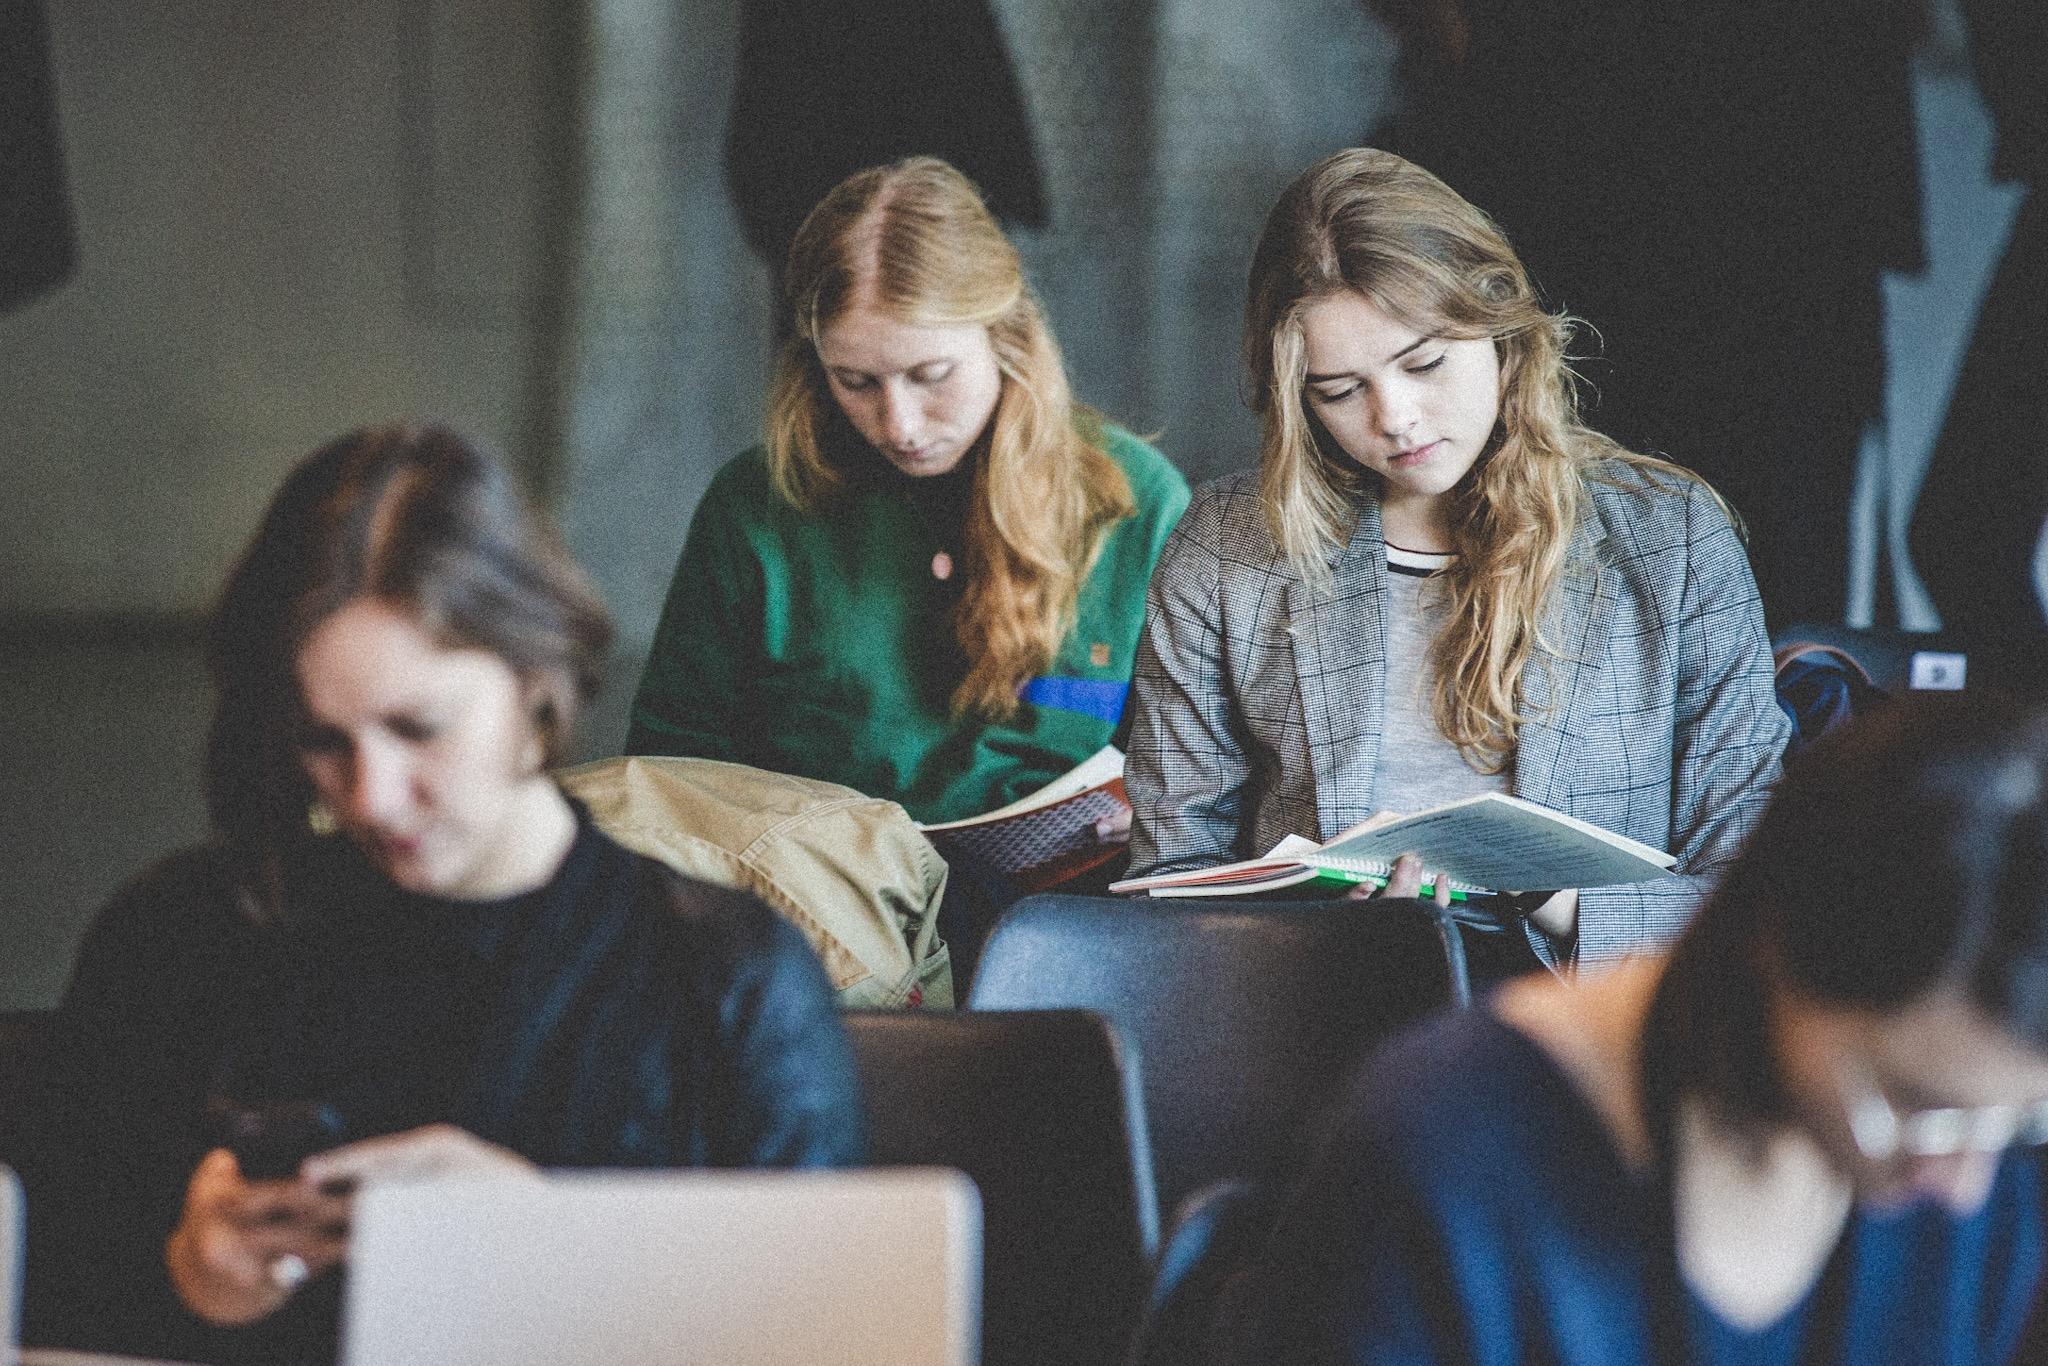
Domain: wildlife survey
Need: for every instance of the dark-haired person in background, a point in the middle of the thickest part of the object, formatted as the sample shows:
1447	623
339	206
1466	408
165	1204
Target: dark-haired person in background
824	88
1983	509
445	952
1717	187
1796	1139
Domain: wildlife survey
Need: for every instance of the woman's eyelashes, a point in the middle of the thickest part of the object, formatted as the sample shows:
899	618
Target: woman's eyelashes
935	373
412	729
329	740
1339	395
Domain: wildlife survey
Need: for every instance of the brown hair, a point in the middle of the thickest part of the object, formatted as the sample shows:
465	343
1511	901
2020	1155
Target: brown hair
915	239
1927	822
1370	222
421	519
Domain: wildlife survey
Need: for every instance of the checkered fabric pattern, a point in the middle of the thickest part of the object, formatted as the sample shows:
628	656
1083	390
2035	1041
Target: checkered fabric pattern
1257	707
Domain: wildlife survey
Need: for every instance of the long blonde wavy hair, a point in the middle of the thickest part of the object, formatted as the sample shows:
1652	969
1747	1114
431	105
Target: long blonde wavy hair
915	239
1370	222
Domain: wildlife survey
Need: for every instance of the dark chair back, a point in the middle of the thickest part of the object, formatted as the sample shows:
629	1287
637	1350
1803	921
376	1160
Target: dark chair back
1039	1107
1245	1016
1215	1234
1899	662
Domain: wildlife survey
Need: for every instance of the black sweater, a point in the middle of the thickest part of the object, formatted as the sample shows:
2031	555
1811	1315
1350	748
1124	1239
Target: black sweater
620	1016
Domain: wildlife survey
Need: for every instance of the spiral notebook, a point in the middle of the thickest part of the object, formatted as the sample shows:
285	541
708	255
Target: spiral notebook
1493	842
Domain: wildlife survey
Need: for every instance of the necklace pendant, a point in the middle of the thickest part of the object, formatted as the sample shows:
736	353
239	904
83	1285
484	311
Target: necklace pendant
942	566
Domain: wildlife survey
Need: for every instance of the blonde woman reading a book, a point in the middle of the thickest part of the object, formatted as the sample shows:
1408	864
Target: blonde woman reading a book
1440	583
926	583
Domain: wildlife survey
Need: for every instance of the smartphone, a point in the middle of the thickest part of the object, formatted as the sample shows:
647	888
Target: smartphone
270	1141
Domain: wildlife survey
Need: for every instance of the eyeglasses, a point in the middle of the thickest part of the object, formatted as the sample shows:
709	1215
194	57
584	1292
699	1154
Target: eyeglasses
1885	1133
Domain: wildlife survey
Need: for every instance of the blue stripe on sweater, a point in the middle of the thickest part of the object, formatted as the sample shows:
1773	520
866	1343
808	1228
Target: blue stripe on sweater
1099	697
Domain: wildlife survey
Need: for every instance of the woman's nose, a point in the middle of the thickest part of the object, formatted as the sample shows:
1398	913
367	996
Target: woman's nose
1395	415
900	422
378	784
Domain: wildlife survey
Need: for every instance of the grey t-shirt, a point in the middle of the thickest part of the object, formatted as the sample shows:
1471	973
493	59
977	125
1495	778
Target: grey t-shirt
1418	767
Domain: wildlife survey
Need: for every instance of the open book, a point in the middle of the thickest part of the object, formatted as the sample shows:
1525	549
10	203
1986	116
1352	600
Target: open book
1488	843
1047	837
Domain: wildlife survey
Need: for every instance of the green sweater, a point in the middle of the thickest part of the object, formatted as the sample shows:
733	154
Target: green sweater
823	645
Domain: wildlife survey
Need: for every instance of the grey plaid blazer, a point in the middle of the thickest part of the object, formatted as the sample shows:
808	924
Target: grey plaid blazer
1257	708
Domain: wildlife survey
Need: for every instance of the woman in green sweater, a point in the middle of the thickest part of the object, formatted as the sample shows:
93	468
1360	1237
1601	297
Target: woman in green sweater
927	582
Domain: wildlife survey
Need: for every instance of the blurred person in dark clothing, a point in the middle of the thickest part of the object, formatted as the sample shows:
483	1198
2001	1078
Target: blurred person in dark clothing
1716	186
406	951
1809	1134
1984	498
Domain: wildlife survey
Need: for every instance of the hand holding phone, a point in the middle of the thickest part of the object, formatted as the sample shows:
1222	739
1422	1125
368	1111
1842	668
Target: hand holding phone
271	1141
246	1241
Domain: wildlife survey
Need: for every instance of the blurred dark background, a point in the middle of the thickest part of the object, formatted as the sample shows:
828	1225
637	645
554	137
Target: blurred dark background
230	229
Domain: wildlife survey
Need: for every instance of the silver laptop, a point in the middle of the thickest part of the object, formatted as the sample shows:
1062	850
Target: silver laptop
862	1268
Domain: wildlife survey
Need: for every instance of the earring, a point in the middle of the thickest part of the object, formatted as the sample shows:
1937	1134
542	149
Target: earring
320	818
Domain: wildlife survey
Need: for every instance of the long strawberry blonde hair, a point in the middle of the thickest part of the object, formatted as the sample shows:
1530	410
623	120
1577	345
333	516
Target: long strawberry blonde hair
915	239
1370	222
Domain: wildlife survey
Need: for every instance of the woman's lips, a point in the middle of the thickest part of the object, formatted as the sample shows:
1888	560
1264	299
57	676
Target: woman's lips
1415	455
398	850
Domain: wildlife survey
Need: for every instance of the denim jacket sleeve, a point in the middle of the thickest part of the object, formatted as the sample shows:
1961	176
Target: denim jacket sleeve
779	1084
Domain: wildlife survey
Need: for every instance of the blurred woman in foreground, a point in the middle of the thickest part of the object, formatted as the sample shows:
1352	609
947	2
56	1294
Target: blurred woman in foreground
1799	1138
406	953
